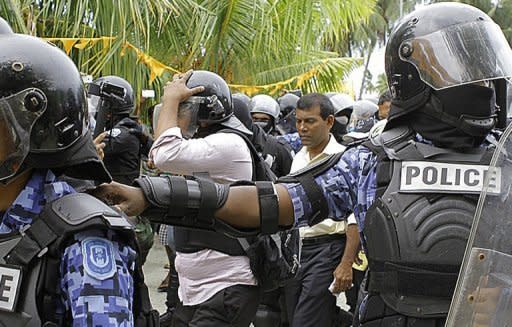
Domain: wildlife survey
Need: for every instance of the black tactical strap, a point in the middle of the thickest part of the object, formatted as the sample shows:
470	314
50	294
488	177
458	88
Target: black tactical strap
413	283
269	208
315	196
35	239
179	196
208	203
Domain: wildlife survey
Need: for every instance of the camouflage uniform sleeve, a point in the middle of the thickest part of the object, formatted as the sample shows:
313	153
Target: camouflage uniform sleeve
344	186
293	140
96	281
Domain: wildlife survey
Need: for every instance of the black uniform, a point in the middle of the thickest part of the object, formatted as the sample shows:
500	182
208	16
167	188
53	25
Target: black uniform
124	149
276	152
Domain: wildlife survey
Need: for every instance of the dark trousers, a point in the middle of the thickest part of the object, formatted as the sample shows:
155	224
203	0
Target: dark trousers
233	306
375	313
308	300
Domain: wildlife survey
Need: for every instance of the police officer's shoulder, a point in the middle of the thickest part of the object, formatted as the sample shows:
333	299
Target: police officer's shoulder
128	122
83	211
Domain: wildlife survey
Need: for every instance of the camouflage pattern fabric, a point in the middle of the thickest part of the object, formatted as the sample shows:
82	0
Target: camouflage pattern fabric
293	139
349	186
90	296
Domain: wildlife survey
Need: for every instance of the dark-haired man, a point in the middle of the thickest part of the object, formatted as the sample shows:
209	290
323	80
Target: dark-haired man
329	248
384	106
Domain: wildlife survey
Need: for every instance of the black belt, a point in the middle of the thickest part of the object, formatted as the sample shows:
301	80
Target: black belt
322	239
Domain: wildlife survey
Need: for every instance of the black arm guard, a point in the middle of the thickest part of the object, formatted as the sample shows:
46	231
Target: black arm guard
191	202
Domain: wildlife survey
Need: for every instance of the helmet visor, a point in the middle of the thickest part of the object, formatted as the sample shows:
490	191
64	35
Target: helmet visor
187	118
459	54
16	123
93	102
210	108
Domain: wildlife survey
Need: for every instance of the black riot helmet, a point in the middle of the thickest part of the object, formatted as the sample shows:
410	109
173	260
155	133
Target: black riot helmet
215	103
444	51
241	97
241	111
212	107
116	92
43	112
5	28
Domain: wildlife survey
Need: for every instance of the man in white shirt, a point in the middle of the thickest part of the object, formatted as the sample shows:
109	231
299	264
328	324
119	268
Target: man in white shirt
329	248
217	286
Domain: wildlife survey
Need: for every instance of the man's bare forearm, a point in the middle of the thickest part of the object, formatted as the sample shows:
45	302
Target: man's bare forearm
351	246
168	117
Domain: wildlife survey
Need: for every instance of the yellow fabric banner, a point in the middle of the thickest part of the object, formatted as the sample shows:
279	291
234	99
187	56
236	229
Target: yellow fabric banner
157	68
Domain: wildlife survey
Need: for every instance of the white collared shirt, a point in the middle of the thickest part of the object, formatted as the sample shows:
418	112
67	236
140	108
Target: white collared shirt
303	159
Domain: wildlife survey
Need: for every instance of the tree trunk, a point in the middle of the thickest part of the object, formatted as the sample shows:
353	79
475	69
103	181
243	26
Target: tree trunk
370	51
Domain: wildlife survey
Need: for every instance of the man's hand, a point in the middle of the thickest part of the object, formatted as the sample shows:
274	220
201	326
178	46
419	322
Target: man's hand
130	200
176	91
98	143
343	277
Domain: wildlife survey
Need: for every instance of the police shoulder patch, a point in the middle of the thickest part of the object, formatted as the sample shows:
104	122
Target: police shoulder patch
115	132
98	257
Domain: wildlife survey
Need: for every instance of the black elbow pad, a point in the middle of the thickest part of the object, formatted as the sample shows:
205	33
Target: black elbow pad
180	201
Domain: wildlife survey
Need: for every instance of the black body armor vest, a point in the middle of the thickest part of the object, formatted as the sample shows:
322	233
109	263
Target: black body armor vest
36	253
193	240
417	228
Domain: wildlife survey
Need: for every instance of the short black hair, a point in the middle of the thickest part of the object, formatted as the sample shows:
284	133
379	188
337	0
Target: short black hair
384	97
311	100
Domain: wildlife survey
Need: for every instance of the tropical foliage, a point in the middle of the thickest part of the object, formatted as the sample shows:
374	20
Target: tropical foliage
248	42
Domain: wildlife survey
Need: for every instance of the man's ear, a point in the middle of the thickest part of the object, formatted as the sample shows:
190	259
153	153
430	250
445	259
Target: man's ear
330	121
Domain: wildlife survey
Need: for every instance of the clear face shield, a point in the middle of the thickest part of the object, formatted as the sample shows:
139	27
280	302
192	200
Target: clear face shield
18	114
459	55
187	118
93	102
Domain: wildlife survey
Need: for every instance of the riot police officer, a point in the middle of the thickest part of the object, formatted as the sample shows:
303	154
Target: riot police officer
413	188
66	258
287	104
265	112
276	152
342	104
125	139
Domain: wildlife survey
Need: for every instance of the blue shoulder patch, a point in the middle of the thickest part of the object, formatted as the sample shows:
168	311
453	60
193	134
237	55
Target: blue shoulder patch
98	256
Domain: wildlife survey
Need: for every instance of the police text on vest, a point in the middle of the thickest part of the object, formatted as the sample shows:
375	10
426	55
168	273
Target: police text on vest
10	279
423	176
